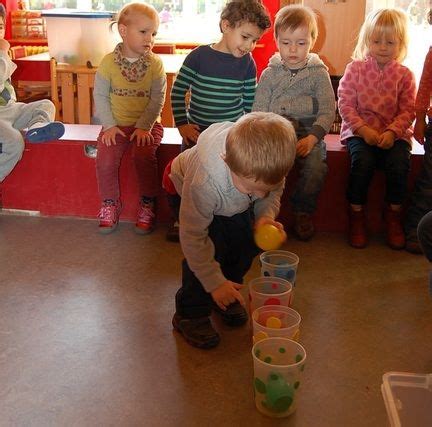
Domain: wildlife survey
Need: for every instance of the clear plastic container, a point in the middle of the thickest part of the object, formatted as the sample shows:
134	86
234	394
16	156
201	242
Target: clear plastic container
408	399
89	37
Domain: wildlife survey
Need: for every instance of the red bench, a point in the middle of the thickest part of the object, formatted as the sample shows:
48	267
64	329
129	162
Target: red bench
59	179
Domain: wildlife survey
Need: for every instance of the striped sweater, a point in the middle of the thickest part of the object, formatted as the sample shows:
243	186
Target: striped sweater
222	87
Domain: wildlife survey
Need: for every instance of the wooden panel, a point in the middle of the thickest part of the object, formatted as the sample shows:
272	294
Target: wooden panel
85	84
67	96
339	24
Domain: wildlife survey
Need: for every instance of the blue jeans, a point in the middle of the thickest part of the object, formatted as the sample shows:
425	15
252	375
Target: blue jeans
313	171
366	158
421	197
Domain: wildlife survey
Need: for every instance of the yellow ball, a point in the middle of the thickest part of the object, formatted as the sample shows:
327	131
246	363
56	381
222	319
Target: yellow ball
273	322
268	237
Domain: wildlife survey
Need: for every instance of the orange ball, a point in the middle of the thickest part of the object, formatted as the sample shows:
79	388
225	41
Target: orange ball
268	237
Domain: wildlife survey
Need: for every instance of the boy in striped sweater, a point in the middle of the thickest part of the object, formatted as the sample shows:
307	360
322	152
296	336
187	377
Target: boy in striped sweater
220	77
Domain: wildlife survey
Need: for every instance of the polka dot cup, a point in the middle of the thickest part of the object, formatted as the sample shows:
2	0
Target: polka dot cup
269	291
275	321
278	370
281	264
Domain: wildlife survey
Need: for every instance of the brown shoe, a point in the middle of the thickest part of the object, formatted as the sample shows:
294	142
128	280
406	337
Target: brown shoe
303	226
395	233
357	229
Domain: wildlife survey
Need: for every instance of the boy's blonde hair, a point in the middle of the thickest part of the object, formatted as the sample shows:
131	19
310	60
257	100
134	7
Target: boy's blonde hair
238	11
261	146
383	22
294	16
130	10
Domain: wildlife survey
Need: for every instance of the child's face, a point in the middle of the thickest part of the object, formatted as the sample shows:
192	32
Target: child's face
294	46
2	28
138	36
384	48
250	186
241	39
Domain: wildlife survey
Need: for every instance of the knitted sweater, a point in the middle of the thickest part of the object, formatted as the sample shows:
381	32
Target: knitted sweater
304	96
382	99
222	87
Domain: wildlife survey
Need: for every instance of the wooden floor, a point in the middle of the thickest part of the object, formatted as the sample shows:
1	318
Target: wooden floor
86	336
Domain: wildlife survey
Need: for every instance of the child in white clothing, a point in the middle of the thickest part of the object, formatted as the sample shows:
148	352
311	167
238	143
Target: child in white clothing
15	116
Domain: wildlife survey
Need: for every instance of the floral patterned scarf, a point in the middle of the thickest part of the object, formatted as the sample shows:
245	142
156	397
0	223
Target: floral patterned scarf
131	71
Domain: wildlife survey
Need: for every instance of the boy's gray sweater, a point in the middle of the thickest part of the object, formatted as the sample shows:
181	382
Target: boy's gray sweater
204	181
304	96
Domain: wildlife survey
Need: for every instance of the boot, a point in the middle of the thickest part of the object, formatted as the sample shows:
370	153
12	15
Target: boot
357	229
395	233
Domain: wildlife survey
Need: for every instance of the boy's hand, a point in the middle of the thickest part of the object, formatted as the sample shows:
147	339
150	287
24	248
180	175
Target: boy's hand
109	136
419	130
226	294
386	140
370	135
4	45
143	137
305	145
189	133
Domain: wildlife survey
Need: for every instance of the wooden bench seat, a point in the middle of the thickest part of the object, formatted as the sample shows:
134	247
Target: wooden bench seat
59	179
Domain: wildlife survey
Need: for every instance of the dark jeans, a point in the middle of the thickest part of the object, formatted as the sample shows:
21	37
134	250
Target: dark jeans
366	158
424	232
421	197
235	250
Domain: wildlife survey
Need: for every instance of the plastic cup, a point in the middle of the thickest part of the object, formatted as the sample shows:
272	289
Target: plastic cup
271	321
269	291
278	370
281	264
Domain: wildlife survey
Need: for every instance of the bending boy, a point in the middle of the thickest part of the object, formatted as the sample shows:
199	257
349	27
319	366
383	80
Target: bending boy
234	174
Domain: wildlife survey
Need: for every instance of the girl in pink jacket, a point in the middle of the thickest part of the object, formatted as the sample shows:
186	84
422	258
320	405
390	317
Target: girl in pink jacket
376	97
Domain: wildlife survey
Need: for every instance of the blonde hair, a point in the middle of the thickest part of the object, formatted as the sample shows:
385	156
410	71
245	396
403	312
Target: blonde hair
383	22
292	17
261	146
130	10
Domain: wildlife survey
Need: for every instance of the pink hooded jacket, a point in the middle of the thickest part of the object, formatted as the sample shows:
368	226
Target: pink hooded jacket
382	99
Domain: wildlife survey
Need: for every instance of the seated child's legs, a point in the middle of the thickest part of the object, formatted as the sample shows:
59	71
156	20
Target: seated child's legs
146	164
11	148
424	231
39	117
364	159
313	171
107	166
421	197
396	168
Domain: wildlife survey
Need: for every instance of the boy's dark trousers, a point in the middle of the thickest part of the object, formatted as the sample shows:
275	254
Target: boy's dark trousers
235	250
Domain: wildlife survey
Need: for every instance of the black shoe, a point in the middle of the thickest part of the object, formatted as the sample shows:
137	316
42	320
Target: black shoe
234	315
173	232
198	332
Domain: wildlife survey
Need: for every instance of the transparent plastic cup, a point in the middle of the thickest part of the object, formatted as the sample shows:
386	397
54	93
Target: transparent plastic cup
269	291
278	371
271	321
281	264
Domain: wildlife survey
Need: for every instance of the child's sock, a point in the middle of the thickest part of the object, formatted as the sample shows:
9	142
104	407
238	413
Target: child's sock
42	131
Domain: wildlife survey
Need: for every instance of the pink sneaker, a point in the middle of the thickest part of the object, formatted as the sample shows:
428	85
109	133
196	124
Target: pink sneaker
145	223
109	217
